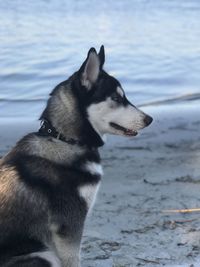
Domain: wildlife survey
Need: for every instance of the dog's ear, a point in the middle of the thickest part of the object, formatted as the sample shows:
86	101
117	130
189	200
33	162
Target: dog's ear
89	71
101	56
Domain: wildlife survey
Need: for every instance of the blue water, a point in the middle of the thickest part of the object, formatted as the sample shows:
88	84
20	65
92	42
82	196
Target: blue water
152	47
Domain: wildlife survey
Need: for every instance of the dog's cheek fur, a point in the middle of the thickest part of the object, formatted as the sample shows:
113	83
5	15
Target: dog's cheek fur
101	114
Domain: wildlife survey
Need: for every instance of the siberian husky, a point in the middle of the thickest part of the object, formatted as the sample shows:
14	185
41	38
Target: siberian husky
49	180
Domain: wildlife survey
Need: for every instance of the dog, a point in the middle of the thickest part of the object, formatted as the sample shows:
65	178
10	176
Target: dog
49	180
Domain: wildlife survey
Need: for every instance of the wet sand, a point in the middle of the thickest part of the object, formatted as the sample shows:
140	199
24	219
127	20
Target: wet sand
145	176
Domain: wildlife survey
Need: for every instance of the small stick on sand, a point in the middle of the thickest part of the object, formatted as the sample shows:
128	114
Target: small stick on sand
182	210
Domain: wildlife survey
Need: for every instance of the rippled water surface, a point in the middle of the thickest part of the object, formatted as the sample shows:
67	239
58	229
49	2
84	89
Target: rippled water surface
152	47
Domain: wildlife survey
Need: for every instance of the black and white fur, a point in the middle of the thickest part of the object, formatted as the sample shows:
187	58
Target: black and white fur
47	185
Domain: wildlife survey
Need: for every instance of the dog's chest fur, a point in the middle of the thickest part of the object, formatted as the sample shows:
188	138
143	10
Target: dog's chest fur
88	191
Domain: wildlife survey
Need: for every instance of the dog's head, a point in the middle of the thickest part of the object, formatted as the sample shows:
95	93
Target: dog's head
107	108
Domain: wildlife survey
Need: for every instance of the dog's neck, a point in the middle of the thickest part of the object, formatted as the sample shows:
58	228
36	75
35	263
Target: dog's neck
47	129
63	113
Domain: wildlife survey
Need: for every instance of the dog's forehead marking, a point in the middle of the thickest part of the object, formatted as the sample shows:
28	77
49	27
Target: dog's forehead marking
120	91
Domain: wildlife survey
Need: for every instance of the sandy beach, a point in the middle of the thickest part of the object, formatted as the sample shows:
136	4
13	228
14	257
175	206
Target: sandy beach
145	178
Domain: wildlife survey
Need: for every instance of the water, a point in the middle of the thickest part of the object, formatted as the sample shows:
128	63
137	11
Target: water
152	47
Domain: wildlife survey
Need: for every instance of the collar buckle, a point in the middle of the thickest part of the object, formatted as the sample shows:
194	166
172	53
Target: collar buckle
47	129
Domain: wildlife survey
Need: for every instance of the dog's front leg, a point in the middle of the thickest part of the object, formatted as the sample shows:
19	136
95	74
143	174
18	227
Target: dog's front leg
71	258
68	251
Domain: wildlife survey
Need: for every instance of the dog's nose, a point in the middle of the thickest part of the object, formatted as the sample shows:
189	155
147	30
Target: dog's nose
148	120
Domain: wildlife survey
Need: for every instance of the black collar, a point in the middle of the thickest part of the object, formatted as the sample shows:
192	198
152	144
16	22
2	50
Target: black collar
47	129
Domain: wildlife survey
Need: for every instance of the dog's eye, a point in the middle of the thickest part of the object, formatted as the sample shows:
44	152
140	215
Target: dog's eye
117	98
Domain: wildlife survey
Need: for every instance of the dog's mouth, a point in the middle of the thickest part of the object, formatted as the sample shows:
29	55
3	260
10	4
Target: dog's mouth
125	131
